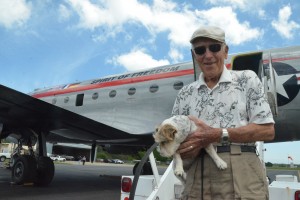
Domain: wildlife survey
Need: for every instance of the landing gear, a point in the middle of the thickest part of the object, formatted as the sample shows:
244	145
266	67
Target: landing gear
31	168
24	170
27	169
45	171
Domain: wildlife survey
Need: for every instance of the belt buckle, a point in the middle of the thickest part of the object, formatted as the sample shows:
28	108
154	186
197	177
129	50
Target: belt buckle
235	150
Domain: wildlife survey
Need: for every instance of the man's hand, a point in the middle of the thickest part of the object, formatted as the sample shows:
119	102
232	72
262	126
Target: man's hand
189	148
201	138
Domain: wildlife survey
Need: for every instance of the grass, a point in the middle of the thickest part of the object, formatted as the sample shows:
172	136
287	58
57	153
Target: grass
282	168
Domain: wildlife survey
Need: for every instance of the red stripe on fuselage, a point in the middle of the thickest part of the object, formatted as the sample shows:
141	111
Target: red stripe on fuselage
228	65
116	83
281	59
136	80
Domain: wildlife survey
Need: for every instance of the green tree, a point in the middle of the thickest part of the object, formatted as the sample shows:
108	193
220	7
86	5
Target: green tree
269	164
159	157
141	154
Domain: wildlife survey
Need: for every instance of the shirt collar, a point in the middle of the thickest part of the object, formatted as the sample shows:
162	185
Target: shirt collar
225	77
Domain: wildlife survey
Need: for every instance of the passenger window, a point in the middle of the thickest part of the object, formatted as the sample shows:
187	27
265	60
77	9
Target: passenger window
178	85
95	96
131	91
66	100
79	99
153	88
112	93
54	101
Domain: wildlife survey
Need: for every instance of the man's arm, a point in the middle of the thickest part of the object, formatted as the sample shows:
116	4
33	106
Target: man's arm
205	135
252	133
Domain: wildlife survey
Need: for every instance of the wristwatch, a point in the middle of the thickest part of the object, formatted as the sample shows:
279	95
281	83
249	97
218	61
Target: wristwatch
225	136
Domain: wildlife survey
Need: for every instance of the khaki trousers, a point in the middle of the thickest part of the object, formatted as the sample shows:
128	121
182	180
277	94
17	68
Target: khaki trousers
244	178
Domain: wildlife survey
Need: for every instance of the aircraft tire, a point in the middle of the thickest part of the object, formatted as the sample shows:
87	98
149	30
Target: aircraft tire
24	170
45	171
12	161
146	170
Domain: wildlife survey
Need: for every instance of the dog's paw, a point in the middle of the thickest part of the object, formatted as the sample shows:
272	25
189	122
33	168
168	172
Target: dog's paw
182	179
221	164
184	176
179	172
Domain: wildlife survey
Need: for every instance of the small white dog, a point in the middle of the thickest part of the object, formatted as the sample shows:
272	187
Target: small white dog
170	134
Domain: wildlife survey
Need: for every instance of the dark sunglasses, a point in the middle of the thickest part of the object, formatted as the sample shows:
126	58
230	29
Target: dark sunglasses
212	48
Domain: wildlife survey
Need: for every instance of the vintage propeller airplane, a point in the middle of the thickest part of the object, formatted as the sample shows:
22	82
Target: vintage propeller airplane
123	110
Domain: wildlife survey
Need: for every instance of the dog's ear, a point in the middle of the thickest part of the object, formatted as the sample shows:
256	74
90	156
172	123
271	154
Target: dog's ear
169	132
155	132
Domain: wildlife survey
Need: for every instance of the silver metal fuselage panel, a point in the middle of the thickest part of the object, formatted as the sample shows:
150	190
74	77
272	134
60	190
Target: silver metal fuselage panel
141	112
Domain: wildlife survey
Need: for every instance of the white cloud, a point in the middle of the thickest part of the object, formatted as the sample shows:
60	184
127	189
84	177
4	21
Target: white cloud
64	13
262	13
162	16
245	5
177	21
155	19
175	55
90	15
14	12
108	13
283	25
224	17
234	3
138	60
178	24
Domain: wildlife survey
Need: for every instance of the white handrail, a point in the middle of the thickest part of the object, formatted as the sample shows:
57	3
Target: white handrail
154	169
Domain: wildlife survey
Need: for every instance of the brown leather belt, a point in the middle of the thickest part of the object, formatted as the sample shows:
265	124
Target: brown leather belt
223	149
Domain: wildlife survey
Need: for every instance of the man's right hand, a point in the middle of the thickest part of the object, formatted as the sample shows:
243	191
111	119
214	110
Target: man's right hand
201	138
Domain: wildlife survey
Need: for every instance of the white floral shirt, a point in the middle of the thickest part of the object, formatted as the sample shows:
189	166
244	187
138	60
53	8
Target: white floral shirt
237	100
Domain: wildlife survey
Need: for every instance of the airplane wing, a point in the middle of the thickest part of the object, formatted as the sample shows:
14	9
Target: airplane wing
19	111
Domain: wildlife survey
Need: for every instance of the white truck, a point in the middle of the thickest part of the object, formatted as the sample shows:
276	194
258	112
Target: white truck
285	187
4	156
58	158
168	187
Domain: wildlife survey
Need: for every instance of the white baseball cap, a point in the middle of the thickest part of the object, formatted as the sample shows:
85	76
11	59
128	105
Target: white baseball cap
211	32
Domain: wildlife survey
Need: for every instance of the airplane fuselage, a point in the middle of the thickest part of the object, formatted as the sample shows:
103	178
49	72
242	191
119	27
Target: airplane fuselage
137	102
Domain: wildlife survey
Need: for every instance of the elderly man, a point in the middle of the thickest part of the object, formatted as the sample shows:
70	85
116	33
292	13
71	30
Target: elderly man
230	111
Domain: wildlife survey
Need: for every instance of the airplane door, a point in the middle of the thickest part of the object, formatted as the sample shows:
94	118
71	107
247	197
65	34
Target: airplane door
267	75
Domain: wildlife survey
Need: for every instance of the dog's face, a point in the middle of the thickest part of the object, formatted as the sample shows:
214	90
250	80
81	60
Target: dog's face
165	136
171	133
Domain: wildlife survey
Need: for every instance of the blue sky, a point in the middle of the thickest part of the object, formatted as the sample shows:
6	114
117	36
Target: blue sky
46	43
